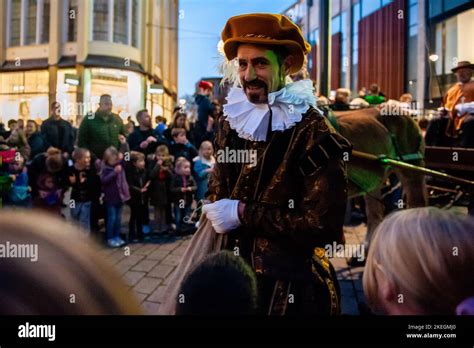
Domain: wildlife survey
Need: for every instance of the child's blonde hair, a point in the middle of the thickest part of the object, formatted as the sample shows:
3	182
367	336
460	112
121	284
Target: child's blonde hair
427	254
204	143
78	267
180	161
109	153
162	150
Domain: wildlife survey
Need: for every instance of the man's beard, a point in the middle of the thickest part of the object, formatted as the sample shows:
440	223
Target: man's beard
256	96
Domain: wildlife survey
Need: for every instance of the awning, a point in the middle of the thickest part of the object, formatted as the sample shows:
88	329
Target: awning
24	64
100	61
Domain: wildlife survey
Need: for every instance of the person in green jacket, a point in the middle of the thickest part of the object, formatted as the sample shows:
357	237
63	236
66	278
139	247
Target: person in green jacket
374	97
101	129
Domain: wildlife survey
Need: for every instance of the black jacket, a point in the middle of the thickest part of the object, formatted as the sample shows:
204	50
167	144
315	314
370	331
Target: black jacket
177	184
137	180
59	134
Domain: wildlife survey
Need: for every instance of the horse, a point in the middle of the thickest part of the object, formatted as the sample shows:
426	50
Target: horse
382	131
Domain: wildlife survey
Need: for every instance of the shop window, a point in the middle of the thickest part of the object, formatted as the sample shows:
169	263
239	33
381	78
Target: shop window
24	95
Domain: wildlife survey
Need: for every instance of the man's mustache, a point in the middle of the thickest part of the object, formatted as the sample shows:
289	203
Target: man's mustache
255	84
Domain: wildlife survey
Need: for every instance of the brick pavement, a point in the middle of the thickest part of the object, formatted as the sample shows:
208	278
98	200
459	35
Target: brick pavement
147	268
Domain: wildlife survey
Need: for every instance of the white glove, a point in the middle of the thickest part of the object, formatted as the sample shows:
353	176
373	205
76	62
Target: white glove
223	214
465	108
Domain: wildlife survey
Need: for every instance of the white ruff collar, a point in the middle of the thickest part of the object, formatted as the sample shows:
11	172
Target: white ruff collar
288	105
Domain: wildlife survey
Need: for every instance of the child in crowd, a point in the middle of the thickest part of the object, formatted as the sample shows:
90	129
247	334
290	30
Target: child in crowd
183	187
421	262
222	284
19	194
85	183
49	194
181	146
116	192
18	140
138	184
203	165
160	171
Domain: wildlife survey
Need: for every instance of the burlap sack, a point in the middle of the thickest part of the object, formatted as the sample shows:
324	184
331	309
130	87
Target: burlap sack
204	242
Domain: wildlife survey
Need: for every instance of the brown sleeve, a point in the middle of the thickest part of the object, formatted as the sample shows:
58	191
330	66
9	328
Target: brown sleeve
317	218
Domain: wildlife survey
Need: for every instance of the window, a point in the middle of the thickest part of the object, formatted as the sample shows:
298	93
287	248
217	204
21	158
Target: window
72	21
24	95
336	25
355	44
370	6
448	42
120	21
45	31
124	16
15	27
412	64
31	22
135	23
344	53
437	7
28	22
101	20
451	4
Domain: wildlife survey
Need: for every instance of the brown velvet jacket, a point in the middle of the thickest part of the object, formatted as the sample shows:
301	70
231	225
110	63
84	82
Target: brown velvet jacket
295	197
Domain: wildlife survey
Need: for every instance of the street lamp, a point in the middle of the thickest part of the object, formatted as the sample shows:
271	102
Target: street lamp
434	57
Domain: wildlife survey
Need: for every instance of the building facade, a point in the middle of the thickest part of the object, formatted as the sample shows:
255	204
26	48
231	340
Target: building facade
73	51
403	45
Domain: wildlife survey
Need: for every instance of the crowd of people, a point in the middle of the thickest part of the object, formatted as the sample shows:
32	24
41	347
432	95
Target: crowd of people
103	167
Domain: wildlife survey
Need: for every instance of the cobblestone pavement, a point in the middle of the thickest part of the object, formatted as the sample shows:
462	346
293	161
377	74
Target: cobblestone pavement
147	268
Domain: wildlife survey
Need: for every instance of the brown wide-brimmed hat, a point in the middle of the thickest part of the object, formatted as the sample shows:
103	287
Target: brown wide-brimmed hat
463	64
265	29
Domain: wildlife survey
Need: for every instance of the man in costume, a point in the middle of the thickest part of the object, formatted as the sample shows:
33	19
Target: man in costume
457	128
279	211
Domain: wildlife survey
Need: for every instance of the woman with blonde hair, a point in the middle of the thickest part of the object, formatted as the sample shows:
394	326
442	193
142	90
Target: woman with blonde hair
50	275
421	262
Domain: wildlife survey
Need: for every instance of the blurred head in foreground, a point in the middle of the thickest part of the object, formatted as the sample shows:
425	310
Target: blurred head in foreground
222	284
421	262
59	272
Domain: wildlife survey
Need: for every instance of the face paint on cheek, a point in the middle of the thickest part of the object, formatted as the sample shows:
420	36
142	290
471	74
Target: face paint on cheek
277	79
